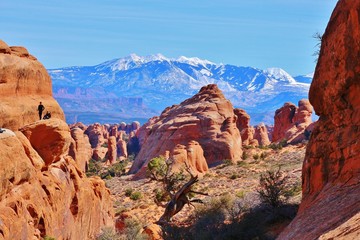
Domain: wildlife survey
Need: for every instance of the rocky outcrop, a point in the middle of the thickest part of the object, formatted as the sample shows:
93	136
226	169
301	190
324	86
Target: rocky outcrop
80	148
331	169
243	124
192	155
24	83
112	150
128	128
127	141
206	118
96	133
291	122
39	136
261	135
121	147
43	192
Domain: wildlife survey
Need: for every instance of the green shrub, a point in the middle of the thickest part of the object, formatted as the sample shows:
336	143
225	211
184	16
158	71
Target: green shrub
293	190
240	194
244	156
93	168
108	234
157	167
116	170
256	156
228	162
263	147
263	155
161	196
128	192
133	230
273	188
234	176
135	196
49	238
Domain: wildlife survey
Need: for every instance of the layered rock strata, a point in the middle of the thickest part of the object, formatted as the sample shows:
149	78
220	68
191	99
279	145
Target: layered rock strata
206	118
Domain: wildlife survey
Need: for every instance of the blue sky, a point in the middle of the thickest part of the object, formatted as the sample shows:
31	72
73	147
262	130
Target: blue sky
257	33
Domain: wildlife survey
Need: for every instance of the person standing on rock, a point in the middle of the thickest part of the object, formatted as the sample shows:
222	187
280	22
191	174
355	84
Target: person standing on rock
40	110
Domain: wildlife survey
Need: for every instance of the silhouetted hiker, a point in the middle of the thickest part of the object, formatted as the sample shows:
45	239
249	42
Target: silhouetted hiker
47	115
40	109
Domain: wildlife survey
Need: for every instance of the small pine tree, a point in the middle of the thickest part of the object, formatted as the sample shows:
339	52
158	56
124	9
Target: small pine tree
273	188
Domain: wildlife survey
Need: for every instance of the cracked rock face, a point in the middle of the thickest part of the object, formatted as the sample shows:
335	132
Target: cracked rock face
207	118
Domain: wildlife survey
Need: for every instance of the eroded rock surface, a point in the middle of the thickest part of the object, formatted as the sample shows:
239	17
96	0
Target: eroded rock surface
24	82
331	170
206	118
243	124
291	122
43	192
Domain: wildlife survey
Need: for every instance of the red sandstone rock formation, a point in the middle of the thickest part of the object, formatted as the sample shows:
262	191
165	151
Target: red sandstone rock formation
80	148
122	152
96	134
243	124
78	125
99	135
192	155
207	118
291	122
112	151
134	126
261	135
43	192
24	82
331	170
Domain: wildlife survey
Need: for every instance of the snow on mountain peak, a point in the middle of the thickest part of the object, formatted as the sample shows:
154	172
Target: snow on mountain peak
280	75
155	57
194	61
133	60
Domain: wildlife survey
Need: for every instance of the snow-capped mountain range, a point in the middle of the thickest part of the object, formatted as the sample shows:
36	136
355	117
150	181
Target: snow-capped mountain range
144	86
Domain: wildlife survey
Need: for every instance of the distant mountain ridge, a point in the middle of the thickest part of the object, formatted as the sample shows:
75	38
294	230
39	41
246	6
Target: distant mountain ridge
155	82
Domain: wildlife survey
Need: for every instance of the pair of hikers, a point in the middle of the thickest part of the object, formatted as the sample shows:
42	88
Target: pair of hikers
41	109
